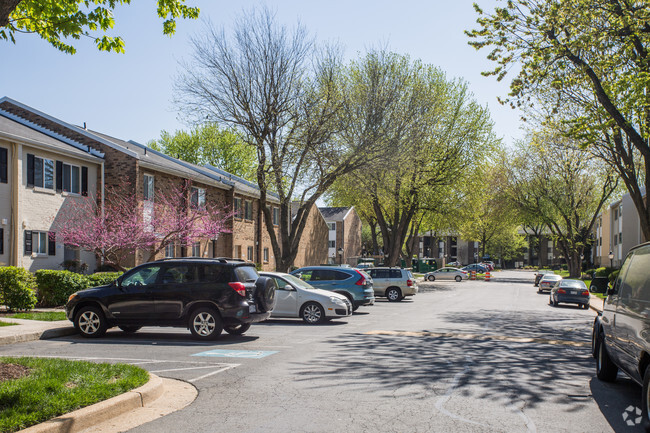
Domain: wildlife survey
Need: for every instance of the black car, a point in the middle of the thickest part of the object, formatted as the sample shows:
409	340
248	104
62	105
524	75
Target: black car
204	295
621	333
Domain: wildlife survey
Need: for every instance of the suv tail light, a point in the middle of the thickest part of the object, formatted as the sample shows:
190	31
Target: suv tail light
238	287
409	282
362	280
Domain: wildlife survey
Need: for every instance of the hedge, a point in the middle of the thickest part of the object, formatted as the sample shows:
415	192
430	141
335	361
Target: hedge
17	288
55	287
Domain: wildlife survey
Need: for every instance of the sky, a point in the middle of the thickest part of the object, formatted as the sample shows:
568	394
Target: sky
130	96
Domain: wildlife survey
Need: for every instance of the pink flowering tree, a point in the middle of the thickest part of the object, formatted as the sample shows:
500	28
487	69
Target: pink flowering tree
128	225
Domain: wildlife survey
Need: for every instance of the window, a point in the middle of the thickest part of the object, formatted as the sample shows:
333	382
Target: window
266	254
169	250
196	249
3	165
36	242
620	238
237	207
141	277
248	209
148	187
197	198
249	253
2	241
71	178
40	172
238	254
332	244
214	274
180	274
276	216
332	226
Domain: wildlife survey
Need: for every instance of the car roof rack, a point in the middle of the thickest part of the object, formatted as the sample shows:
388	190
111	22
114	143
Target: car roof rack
219	259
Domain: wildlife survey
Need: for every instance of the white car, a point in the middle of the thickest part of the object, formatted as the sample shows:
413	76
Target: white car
446	274
296	298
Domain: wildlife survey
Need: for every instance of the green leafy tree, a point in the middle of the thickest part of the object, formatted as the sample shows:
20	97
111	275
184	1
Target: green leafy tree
59	21
208	144
588	60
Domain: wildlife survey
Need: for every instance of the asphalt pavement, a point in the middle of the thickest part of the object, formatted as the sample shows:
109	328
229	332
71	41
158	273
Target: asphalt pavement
474	356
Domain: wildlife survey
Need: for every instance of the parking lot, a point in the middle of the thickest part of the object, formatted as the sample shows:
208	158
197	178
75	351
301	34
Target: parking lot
470	356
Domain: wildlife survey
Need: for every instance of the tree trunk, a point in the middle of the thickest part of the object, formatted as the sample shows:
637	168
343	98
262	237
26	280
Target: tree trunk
6	8
373	234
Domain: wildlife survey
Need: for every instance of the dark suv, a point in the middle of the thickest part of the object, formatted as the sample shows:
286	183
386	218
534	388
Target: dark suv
204	295
621	333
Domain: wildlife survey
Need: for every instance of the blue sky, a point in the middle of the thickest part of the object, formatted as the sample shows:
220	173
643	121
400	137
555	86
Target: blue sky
130	95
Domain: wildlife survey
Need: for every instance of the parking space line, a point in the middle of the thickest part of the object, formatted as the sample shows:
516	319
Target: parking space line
213	373
193	368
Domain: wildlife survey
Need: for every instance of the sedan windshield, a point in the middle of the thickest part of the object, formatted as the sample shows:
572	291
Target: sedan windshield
297	282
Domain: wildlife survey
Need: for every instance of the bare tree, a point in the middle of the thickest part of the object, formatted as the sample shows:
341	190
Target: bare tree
284	96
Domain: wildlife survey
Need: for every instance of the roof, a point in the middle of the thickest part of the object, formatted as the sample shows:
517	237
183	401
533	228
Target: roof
12	129
335	213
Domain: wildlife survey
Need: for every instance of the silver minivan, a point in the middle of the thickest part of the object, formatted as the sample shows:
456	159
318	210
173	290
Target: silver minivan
393	283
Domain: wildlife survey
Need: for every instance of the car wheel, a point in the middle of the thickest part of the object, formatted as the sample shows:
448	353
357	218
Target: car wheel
312	313
237	329
458	278
394	294
90	322
550	300
606	370
265	294
645	400
205	323
130	329
431	278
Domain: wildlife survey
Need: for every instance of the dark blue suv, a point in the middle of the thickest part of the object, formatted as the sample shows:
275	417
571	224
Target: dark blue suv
354	284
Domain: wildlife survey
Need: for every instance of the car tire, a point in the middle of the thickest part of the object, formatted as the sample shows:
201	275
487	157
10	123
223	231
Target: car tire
130	329
312	313
606	370
431	278
90	322
550	301
205	323
458	278
237	329
594	342
265	294
645	400
394	294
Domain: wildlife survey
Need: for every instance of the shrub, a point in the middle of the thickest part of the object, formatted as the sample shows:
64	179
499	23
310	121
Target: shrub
74	266
102	278
54	287
613	275
604	272
16	288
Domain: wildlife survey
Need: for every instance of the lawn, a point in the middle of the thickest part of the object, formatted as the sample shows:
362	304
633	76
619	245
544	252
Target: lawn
6	323
48	316
54	387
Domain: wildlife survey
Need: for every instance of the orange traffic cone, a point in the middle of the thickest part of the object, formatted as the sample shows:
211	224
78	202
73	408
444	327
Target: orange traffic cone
487	276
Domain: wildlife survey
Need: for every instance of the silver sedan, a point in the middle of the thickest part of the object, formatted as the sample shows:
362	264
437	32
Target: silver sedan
446	274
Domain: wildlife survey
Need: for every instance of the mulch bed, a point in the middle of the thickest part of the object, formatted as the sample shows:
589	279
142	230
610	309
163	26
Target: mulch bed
12	371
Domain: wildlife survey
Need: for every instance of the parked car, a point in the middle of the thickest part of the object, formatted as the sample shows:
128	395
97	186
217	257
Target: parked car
570	292
620	338
365	265
488	265
547	282
296	298
352	283
454	264
540	273
204	295
393	283
446	274
479	268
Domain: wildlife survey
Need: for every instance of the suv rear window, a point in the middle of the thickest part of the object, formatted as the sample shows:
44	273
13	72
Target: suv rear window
246	274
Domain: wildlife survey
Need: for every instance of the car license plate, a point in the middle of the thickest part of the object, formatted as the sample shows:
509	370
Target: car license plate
572	292
252	309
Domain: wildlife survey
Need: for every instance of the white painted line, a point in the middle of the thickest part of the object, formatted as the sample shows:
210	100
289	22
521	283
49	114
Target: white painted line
188	368
214	372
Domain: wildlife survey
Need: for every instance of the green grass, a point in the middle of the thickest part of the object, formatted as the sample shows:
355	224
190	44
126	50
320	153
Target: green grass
49	316
56	386
6	323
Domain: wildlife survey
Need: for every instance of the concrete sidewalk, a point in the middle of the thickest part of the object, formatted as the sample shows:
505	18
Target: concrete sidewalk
30	330
596	303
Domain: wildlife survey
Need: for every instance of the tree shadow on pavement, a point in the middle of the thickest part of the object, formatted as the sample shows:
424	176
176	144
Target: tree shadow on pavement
507	371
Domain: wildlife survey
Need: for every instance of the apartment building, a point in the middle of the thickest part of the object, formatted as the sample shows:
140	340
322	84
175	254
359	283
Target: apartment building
117	162
344	238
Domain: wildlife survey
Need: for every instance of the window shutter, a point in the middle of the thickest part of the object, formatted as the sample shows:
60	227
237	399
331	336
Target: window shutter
51	244
59	176
2	241
84	181
30	172
3	165
28	242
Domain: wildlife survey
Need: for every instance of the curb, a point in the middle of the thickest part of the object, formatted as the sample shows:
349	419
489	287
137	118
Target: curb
37	335
89	416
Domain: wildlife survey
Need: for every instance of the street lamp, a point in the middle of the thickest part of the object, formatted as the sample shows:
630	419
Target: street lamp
611	259
340	256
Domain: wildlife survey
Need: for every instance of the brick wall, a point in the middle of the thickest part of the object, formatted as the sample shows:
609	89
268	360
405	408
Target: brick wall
352	236
312	249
